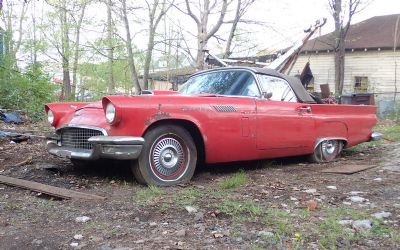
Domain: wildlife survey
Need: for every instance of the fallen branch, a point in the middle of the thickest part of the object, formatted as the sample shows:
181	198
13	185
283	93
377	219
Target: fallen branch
47	189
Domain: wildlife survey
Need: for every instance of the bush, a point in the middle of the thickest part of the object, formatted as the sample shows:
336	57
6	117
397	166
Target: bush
27	91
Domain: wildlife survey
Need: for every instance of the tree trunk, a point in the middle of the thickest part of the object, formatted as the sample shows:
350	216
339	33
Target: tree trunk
131	61
65	51
76	52
149	52
110	54
228	51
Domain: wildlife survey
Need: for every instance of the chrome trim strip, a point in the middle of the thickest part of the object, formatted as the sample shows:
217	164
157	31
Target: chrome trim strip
116	140
329	139
83	126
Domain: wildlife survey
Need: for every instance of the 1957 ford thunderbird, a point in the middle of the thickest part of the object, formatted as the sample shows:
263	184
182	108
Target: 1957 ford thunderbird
220	115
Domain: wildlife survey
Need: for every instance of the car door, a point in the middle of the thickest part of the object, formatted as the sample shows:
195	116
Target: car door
283	124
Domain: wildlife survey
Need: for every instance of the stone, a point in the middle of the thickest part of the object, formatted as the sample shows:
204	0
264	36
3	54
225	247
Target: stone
153	224
181	233
199	216
74	244
82	219
381	215
331	187
37	242
139	242
362	225
310	191
218	235
345	222
78	236
265	234
357	199
191	209
378	179
356	192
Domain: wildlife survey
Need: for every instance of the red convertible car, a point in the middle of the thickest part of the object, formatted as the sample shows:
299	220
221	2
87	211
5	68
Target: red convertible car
220	115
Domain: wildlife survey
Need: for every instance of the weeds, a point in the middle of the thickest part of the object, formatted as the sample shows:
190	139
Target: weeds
235	181
148	194
237	208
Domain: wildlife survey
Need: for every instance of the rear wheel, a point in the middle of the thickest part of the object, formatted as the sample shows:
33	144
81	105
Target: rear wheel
168	157
327	151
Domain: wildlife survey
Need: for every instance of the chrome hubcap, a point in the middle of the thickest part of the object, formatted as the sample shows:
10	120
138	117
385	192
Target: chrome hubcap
329	147
167	156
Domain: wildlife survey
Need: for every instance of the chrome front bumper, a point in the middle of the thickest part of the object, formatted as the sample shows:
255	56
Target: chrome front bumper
110	147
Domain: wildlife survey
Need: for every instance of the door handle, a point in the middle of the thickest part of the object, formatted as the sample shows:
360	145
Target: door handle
305	109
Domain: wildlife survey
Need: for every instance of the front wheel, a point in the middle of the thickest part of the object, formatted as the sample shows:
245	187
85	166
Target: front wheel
168	157
327	151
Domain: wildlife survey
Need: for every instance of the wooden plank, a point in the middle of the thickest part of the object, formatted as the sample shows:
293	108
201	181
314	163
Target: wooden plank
47	189
348	169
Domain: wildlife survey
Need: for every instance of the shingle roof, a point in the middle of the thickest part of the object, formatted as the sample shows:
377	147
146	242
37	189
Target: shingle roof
373	33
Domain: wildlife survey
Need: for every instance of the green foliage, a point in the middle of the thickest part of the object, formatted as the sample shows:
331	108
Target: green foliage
149	194
238	208
187	196
27	91
237	180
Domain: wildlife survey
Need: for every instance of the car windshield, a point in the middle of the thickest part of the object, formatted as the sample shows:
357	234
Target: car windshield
227	82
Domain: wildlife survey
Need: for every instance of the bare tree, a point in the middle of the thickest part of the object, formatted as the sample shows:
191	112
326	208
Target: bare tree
342	13
65	50
110	48
156	11
77	46
241	8
128	41
12	46
204	33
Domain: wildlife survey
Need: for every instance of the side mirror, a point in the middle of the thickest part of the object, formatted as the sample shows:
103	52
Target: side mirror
267	95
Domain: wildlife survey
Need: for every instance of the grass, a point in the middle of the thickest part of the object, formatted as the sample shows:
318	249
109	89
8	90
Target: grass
238	179
149	194
239	208
391	132
187	196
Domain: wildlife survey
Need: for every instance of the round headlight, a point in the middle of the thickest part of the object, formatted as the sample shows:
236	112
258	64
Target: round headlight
110	112
50	117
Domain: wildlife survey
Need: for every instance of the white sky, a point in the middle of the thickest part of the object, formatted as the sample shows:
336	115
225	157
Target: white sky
291	17
285	21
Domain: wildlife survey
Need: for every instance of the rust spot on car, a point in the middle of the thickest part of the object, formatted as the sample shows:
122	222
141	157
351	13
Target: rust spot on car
147	122
161	115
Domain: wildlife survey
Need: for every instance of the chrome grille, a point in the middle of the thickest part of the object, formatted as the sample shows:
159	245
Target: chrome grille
73	137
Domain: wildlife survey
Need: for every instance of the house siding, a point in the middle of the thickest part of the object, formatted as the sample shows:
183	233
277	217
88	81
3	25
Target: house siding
378	66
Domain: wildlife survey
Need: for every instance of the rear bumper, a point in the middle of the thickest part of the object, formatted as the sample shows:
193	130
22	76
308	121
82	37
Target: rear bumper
375	136
110	147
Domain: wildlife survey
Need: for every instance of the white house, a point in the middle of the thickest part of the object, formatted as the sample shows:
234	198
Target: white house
371	62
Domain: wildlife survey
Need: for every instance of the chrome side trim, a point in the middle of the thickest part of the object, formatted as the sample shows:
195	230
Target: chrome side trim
376	136
82	126
328	139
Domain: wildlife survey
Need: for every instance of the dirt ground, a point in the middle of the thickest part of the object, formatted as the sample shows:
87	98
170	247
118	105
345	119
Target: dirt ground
280	204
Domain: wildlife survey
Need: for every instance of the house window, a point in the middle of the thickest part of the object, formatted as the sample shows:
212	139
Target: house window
361	84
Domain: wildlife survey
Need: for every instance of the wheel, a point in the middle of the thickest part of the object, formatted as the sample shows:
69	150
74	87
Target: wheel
326	151
168	157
